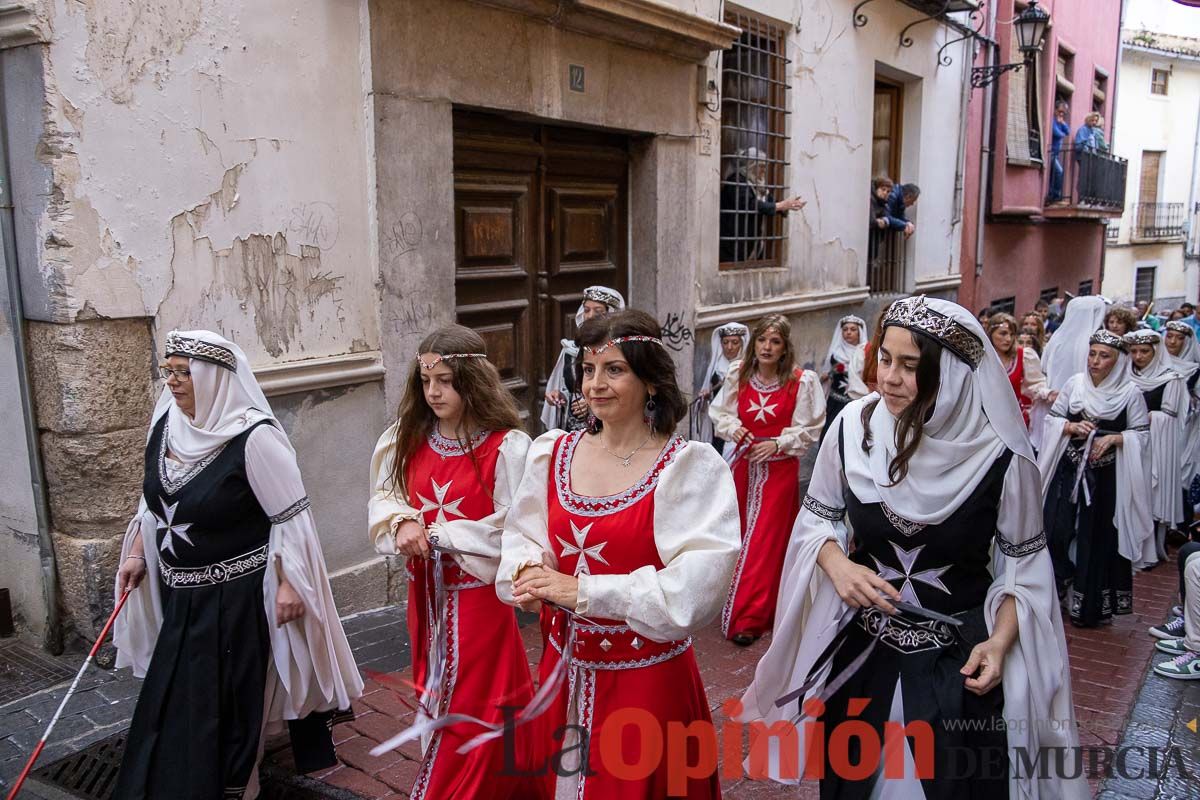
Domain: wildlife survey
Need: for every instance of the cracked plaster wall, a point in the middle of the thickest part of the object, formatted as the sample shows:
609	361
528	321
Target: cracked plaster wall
194	164
832	77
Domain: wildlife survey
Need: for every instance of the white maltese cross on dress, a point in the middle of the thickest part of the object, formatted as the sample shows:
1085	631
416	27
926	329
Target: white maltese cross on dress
439	502
172	528
568	549
908	559
762	407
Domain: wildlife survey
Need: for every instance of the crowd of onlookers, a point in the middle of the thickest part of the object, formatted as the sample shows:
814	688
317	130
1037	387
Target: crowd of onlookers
1039	324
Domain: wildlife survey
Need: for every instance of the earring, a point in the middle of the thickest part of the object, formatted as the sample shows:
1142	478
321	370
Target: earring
648	417
592	423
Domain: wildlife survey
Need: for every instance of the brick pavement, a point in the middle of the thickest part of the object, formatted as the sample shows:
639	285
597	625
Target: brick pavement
1109	672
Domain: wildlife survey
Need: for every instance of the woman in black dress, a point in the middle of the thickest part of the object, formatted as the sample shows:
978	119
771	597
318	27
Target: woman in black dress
230	618
925	494
1096	482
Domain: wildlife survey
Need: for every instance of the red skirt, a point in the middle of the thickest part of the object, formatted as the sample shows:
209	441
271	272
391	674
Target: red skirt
769	500
486	671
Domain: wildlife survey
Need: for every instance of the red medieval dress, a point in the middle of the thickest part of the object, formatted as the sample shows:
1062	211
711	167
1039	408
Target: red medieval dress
652	563
467	652
769	491
1028	382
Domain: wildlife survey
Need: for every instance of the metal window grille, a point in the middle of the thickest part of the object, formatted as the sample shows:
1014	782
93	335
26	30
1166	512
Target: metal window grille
754	91
1005	305
1143	286
1086	288
1048	294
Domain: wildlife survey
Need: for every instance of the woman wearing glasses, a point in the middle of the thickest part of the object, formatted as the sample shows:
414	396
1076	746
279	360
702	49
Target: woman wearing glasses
236	630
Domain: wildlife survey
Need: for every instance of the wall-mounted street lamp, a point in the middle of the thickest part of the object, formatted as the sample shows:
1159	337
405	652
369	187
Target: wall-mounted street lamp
1030	29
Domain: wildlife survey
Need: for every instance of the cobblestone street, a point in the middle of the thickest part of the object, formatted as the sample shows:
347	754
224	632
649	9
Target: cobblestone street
1118	703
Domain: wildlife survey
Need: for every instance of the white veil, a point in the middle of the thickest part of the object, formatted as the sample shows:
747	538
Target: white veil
1066	352
554	381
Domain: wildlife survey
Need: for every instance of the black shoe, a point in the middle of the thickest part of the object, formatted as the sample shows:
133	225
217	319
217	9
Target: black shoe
744	639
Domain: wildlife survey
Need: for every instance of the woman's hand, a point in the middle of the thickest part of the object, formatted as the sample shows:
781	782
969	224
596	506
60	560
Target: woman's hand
1103	444
740	434
579	408
986	659
412	540
1081	429
1050	398
554	398
858	586
761	451
288	605
542	583
132	571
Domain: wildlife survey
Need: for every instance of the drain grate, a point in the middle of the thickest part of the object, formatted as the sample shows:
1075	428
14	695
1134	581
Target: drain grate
25	670
90	774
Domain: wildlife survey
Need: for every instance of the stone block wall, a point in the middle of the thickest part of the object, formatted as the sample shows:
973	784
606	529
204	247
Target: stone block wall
92	384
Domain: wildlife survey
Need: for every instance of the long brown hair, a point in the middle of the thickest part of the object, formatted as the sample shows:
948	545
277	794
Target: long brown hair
649	361
911	423
487	405
787	361
1039	335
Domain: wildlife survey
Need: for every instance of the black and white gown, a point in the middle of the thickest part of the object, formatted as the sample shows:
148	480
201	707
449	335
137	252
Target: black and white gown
200	627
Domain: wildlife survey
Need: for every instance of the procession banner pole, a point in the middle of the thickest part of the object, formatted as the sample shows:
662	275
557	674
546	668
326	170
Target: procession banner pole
37	751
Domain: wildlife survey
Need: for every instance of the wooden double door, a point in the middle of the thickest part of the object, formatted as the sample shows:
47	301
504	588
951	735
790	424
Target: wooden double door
540	214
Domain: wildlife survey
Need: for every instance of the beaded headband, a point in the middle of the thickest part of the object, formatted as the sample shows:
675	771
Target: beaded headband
178	345
733	329
1109	339
1179	326
914	314
859	321
622	339
601	296
447	357
1142	337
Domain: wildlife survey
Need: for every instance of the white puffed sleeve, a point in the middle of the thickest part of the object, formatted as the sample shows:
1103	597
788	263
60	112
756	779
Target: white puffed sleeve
724	409
1037	676
697	534
312	657
808	418
135	631
483	535
525	540
388	506
1033	384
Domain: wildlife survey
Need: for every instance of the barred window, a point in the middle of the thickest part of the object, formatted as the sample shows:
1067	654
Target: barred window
1143	284
1159	80
754	90
1048	294
1086	288
1006	305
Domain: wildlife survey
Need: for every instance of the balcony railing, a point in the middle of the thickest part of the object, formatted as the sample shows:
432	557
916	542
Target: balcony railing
1158	220
1112	231
886	261
1090	181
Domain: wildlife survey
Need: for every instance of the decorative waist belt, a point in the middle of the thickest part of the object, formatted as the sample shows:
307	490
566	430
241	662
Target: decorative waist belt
614	646
904	635
222	572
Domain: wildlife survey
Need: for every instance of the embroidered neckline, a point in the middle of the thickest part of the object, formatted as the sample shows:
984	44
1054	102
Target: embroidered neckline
445	446
173	485
760	386
586	506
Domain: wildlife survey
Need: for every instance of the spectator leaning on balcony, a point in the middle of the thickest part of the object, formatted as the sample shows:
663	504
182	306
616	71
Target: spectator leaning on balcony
1091	135
881	189
901	198
1061	131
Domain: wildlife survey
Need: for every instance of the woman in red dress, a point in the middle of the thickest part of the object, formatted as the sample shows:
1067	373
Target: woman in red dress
624	531
1023	364
773	412
443	477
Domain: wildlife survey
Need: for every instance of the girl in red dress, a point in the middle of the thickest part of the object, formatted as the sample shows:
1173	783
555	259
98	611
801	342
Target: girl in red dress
773	412
628	533
444	475
1023	365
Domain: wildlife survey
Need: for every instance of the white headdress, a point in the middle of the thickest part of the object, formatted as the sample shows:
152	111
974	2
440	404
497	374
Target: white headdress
1158	371
1188	359
554	381
975	418
228	399
1066	352
1112	395
718	364
839	348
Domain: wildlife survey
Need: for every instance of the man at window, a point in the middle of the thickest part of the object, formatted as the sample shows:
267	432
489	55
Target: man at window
903	197
746	205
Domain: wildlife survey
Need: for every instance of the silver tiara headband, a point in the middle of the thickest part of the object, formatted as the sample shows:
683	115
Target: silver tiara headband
914	314
428	365
851	318
735	329
621	340
1179	326
1109	339
601	296
188	347
1142	337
